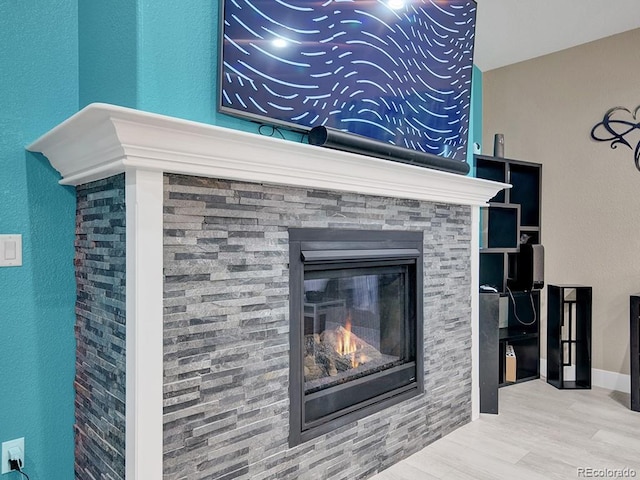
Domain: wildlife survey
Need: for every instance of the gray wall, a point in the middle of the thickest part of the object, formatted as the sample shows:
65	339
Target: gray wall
100	330
227	334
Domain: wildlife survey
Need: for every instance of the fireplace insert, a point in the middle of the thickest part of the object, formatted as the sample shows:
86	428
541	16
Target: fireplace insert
355	325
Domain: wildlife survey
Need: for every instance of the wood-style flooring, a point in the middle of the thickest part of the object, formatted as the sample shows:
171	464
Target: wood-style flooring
541	433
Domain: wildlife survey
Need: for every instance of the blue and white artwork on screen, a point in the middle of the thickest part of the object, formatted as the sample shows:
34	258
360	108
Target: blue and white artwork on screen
398	71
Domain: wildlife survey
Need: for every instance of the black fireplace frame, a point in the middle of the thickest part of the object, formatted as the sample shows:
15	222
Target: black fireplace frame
309	247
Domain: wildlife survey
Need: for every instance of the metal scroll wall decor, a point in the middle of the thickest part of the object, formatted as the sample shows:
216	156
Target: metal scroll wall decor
618	123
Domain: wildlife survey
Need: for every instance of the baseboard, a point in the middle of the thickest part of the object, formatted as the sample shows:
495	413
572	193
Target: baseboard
619	382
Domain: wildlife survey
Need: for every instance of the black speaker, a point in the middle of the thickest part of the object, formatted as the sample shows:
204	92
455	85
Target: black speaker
350	142
527	271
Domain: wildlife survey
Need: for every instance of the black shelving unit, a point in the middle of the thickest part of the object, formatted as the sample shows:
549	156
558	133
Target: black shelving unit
513	215
522	332
634	317
569	335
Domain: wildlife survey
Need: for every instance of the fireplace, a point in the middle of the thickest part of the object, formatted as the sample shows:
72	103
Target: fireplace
206	324
356	325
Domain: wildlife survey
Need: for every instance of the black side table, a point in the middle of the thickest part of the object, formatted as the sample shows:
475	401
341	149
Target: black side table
635	351
569	334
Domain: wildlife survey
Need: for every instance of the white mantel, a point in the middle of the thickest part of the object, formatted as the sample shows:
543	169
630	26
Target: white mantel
104	140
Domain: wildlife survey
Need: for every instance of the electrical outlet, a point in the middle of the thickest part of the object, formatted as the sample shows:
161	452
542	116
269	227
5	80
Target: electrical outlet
13	449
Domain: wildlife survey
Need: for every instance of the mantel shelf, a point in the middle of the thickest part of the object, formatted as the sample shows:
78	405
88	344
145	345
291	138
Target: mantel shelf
103	140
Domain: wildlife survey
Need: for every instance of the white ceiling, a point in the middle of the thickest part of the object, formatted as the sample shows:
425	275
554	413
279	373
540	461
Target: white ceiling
510	31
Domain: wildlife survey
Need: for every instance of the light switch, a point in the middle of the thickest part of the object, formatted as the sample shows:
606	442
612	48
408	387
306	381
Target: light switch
10	250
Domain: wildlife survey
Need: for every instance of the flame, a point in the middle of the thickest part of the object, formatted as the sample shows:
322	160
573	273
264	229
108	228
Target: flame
346	345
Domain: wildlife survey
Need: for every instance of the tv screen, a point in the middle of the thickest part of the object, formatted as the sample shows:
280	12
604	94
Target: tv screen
397	71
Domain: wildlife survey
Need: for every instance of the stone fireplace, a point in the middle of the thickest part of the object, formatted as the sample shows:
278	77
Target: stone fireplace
187	320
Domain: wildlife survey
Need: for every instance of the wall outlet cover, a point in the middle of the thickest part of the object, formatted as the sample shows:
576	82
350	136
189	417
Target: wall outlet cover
10	250
18	444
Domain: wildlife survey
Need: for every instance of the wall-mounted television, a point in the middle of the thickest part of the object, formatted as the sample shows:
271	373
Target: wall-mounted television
396	71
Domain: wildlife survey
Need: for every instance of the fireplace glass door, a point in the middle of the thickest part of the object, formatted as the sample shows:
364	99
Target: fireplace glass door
355	347
356	323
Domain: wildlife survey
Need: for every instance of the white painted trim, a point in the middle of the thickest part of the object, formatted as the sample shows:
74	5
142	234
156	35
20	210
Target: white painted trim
620	382
144	326
475	314
103	140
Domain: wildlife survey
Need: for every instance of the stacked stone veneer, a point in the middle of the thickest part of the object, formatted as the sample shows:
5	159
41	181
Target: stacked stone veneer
226	332
100	330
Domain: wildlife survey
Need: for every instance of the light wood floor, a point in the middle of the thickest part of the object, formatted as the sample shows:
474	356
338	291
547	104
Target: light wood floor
541	433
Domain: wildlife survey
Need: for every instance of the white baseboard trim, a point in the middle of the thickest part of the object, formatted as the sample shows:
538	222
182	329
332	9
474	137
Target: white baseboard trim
619	382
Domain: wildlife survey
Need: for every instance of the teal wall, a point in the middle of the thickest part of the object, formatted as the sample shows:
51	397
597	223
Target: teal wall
108	52
155	55
38	89
177	58
56	57
475	120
